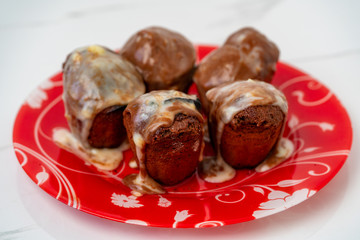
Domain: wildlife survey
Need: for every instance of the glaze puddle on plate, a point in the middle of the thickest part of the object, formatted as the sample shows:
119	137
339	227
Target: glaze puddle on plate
317	125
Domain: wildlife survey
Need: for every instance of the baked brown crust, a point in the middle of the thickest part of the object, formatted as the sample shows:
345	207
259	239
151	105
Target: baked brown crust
168	156
246	54
251	135
107	130
165	131
246	120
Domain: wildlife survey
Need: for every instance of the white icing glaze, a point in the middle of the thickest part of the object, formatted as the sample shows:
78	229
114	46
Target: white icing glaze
216	170
150	112
136	193
283	150
237	96
206	133
148	183
96	78
159	108
103	159
133	163
226	101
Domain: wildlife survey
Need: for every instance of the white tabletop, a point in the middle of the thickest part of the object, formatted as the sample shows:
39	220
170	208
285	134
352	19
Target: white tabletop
320	37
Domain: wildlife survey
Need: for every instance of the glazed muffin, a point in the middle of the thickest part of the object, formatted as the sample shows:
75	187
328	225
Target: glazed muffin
221	65
164	58
246	121
98	84
165	131
246	54
259	55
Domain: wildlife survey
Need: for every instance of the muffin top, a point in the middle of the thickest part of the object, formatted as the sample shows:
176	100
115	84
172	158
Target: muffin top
230	98
162	57
95	78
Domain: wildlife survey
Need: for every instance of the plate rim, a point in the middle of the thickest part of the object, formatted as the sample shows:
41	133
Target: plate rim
349	144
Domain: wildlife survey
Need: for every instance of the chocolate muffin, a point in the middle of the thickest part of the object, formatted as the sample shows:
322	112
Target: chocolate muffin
259	55
250	135
246	121
165	131
107	129
164	58
247	54
221	65
98	83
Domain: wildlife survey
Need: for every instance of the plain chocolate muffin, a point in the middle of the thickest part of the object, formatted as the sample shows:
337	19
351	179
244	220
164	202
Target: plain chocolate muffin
164	58
259	55
247	54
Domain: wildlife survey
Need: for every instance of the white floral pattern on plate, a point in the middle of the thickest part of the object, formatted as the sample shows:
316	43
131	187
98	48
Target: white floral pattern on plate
163	202
314	162
42	176
209	224
181	216
124	201
279	201
38	95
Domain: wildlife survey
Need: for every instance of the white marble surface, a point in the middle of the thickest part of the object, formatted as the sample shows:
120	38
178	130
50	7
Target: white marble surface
319	37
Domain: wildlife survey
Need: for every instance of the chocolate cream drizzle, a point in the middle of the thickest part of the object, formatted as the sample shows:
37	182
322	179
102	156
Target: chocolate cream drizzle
228	100
148	113
95	78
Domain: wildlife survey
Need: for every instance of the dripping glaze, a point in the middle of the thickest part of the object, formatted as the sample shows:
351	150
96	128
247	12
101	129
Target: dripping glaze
94	78
150	112
226	101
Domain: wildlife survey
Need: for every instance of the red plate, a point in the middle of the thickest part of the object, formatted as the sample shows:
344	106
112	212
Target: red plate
317	125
